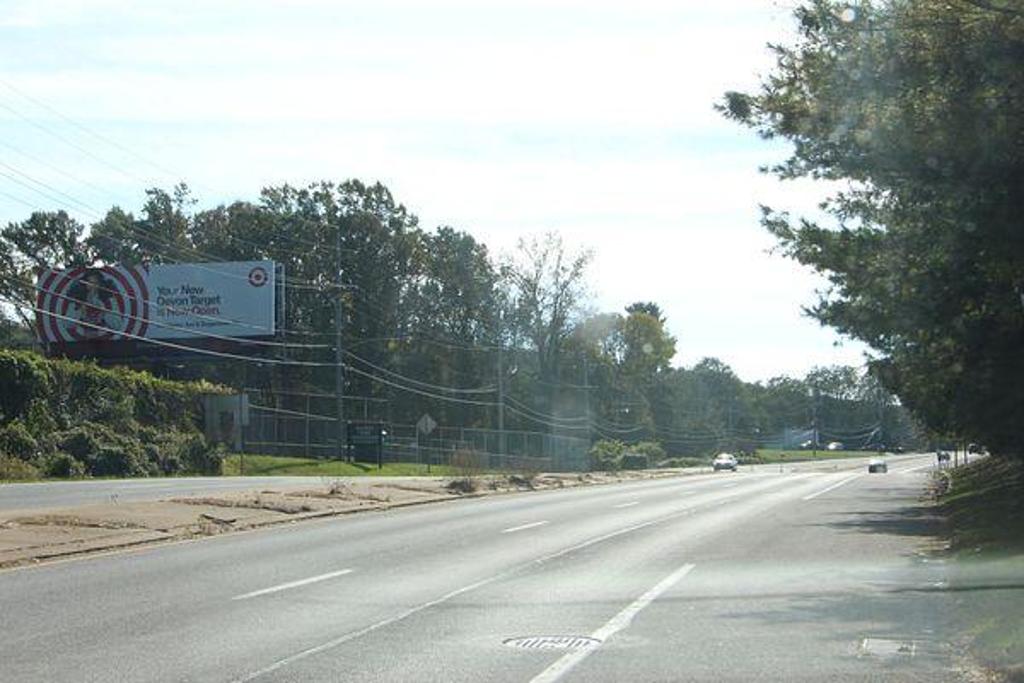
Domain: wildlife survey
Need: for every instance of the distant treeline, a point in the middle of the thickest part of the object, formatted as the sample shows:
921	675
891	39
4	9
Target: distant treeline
432	323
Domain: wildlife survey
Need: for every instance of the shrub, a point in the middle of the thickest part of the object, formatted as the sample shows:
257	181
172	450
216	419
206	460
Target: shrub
18	442
15	469
24	377
124	459
634	461
466	462
62	465
684	461
103	451
39	421
462	485
198	457
606	455
111	422
651	449
83	441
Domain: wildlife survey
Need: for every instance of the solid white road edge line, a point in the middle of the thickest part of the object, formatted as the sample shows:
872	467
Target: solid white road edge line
617	623
293	584
626	505
833	486
513	529
914	469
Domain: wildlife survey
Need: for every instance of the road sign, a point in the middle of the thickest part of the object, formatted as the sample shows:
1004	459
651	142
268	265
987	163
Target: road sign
426	425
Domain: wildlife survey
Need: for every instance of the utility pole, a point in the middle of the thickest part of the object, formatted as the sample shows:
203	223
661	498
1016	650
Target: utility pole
881	421
814	422
586	397
339	368
501	399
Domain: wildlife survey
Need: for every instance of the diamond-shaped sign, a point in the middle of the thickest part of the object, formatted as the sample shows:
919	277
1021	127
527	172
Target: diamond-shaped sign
426	424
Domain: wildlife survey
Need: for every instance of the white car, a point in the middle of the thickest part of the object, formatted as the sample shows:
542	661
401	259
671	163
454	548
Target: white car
836	446
725	461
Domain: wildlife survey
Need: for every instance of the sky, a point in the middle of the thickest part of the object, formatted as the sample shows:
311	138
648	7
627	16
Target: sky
593	119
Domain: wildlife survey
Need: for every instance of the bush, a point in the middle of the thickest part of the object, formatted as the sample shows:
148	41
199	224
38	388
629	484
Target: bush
634	461
102	451
59	394
685	461
120	460
651	449
84	441
198	457
39	421
15	469
606	455
18	442
71	418
24	378
62	465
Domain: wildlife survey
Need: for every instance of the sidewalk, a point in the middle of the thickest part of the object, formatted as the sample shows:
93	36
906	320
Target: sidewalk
32	536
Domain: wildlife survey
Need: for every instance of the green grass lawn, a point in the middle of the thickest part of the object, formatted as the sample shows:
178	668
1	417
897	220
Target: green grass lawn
273	465
985	510
772	455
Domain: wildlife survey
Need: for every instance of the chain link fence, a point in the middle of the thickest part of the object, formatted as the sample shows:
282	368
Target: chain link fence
299	433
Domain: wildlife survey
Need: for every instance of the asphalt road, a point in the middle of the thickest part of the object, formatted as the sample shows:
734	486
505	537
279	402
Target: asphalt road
758	575
50	494
47	494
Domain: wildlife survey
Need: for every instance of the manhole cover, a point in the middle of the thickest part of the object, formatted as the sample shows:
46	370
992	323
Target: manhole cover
887	648
552	642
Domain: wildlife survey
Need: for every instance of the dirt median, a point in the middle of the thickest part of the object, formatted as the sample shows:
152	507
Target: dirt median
40	535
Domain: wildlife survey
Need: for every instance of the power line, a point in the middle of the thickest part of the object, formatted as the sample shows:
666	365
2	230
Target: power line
313	394
479	390
42	184
220	354
19	201
88	131
250	359
435	387
515	404
41	192
72	144
52	167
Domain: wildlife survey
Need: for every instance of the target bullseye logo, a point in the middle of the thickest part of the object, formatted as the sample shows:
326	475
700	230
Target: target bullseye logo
100	303
258	276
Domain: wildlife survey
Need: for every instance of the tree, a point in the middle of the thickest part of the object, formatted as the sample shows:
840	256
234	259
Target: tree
915	106
547	290
649	307
161	235
44	240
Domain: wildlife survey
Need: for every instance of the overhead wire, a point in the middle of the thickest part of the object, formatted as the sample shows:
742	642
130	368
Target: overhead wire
87	130
16	199
190	250
114	167
52	167
436	387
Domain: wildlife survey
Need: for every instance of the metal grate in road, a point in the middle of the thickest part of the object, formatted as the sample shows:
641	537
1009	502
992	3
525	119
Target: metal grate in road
552	642
887	648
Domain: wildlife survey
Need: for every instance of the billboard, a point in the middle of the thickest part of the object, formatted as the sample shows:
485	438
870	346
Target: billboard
181	301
